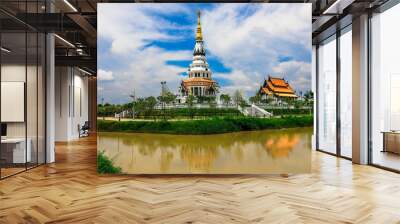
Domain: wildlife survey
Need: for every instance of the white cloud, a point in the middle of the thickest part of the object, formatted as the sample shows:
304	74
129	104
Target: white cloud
237	29
297	73
131	26
144	74
239	80
249	39
105	75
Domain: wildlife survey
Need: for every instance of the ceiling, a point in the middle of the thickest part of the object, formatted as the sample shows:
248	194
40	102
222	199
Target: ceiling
75	22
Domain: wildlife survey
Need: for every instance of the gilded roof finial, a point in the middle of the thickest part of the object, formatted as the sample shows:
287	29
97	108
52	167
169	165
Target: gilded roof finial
199	35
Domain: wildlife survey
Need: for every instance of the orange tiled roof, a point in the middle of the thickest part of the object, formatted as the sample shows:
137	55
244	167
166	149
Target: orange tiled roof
278	82
278	87
285	89
286	94
266	91
198	79
282	90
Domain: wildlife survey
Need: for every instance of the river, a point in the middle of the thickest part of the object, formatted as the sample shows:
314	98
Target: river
253	152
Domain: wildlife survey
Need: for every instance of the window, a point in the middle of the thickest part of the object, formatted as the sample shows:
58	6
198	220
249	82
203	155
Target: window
385	89
327	96
346	93
22	76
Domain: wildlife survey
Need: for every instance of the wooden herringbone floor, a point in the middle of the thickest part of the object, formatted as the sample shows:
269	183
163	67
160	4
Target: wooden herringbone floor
70	191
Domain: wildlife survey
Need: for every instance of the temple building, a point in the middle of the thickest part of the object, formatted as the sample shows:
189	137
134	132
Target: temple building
277	89
199	82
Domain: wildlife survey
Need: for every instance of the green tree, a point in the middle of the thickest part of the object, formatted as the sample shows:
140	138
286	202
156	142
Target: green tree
308	96
190	102
255	99
309	100
140	106
201	99
289	101
243	103
150	104
211	102
167	98
225	98
170	98
108	110
127	106
237	97
298	104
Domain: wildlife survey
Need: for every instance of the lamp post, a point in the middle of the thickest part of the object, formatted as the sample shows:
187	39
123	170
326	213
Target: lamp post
102	103
163	93
133	96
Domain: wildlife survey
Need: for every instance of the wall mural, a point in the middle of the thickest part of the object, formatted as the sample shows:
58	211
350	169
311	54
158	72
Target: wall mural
204	88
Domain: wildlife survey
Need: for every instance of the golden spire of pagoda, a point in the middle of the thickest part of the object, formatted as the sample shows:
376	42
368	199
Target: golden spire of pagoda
199	35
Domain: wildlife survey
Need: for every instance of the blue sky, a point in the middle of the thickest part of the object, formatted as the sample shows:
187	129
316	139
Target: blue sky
140	45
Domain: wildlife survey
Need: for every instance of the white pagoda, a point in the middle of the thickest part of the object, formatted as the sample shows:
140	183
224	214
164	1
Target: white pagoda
199	82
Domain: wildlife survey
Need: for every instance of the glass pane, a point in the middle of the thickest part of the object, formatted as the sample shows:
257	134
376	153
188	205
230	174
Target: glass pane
346	94
23	90
32	98
32	88
327	97
13	86
41	98
386	89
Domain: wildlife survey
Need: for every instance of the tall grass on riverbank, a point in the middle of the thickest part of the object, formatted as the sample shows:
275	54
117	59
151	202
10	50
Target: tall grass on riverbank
209	126
106	165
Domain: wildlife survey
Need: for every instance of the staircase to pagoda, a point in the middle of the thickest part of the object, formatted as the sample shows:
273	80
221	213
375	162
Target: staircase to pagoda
254	111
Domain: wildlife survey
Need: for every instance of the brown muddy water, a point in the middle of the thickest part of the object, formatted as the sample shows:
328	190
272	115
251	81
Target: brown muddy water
255	152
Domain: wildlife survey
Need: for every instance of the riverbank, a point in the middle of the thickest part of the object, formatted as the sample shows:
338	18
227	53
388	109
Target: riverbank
209	126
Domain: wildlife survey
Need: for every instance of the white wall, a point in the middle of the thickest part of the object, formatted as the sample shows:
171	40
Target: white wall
13	99
71	103
17	73
62	82
33	126
13	73
80	105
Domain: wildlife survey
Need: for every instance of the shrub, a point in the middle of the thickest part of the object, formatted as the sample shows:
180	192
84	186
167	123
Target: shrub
210	126
283	111
189	113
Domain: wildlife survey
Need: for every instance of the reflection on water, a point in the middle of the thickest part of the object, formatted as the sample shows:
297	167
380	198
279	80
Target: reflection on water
269	151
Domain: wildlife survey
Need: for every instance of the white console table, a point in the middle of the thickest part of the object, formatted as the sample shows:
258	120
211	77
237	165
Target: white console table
19	155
